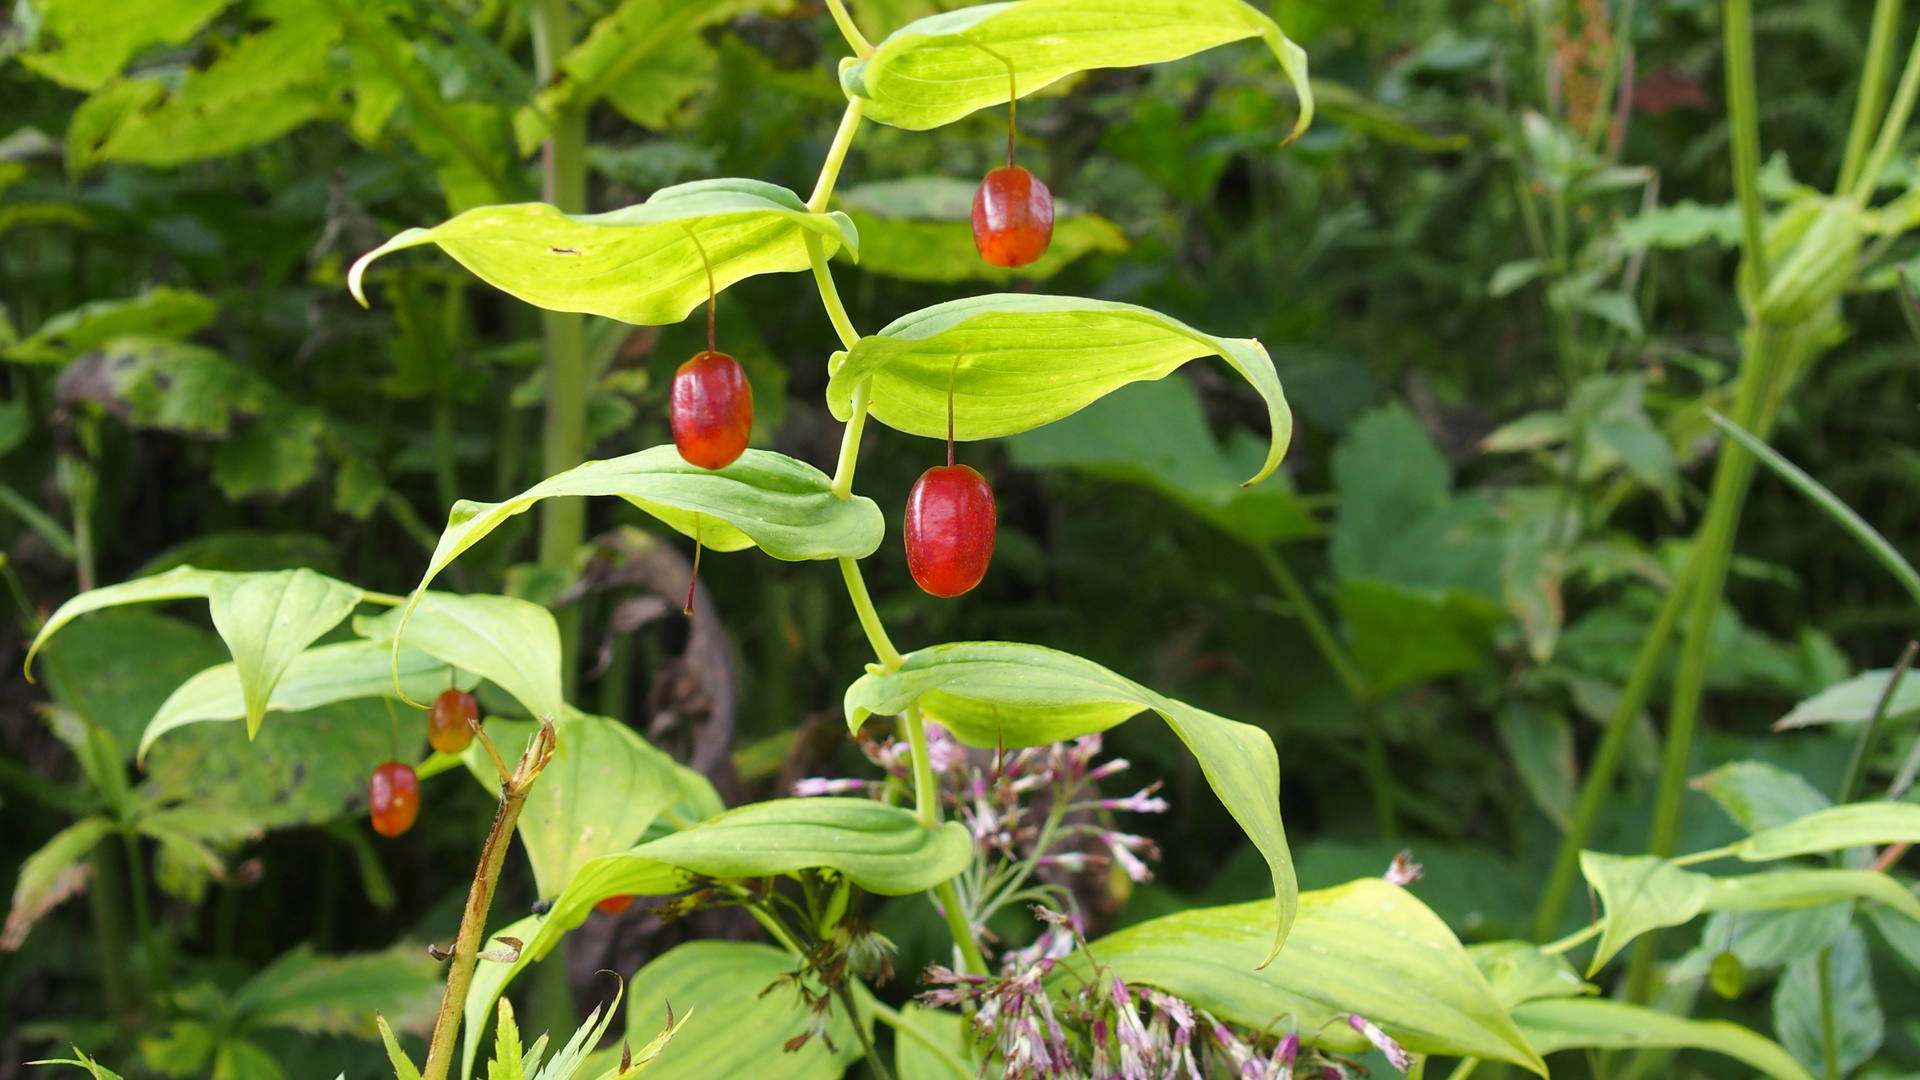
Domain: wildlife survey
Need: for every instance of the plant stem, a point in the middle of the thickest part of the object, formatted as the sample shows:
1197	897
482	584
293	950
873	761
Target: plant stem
143	918
890	657
1464	1069
1858	764
861	46
110	934
1892	127
1323	637
949	898
1571	941
1829	1037
1743	122
926	789
860	1032
901	1026
1379	774
78	482
466	947
836	156
850	440
829	293
1598	784
1873	90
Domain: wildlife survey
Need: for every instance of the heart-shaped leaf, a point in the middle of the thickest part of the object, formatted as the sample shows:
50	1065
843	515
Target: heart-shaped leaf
639	264
511	643
265	619
1852	825
319	676
1366	947
994	693
1641	893
1553	1024
1015	361
943	67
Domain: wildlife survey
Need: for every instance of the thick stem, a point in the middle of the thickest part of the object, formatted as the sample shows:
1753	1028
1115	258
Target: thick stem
949	898
1743	122
110	933
1829	1036
869	619
926	787
1323	637
850	440
1872	96
473	923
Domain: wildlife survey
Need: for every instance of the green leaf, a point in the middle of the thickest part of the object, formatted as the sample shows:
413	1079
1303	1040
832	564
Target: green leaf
785	507
168	385
883	849
96	38
1556	1024
1539	742
1398	520
1518	971
116	668
265	619
159	312
1366	947
320	676
1853	702
1759	795
940	68
50	875
1791	889
1024	360
490	978
638	264
1766	939
1403	634
511	643
1641	893
1852	825
99	1071
738	1016
328	995
403	1066
1806	996
920	228
603	787
276	453
995	693
931	1044
1154	434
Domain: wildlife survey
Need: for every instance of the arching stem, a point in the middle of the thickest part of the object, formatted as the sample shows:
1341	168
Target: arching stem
712	294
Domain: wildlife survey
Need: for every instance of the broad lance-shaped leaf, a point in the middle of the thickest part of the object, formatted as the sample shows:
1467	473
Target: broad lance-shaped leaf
510	642
319	676
883	849
265	619
1015	361
639	264
1852	825
735	1026
1554	1024
53	873
1366	947
940	68
1518	971
994	693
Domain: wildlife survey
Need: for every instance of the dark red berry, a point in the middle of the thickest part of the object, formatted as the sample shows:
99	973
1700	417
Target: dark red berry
450	720
614	905
394	797
1012	217
949	529
712	410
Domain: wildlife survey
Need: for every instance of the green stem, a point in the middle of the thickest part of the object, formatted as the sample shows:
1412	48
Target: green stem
902	1026
1857	766
926	788
1872	96
1743	122
1892	127
949	898
417	93
836	156
1829	1036
110	933
829	293
143	918
861	46
1379	775
1323	637
1698	857
850	440
54	533
1464	1069
869	619
1573	940
845	995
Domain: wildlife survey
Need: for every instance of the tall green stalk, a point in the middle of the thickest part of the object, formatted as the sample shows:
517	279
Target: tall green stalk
1872	96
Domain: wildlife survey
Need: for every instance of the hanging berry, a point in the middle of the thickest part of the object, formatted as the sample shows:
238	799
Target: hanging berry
450	720
712	401
950	521
393	795
1012	209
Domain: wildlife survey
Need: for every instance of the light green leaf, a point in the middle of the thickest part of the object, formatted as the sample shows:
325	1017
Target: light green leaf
403	1066
50	875
318	676
1852	825
1759	795
603	787
1025	360
1534	431
1154	434
1853	702
738	1016
511	643
1819	264
1403	633
96	38
339	995
169	385
1554	1024
931	1044
940	68
161	312
1641	893
920	228
1682	225
1765	939
992	693
180	583
1807	997
1366	947
490	978
638	264
1510	276
1518	971
1789	889
785	507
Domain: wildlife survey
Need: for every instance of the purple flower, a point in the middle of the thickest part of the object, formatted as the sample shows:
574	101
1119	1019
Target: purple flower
1140	802
1404	870
820	785
1123	846
1382	1041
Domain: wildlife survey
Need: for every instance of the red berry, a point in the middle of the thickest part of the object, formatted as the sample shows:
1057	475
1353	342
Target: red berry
712	410
449	721
1012	217
614	905
394	796
949	529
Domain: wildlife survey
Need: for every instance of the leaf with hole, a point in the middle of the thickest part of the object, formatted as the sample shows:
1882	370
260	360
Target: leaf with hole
995	693
943	67
640	264
1015	361
1640	893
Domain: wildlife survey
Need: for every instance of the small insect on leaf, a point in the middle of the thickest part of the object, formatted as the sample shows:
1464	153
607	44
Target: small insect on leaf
563	251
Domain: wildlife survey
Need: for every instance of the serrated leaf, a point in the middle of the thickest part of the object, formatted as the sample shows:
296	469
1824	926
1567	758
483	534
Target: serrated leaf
1015	361
318	676
995	693
1852	825
639	264
943	67
1366	947
1641	893
1554	1024
510	642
